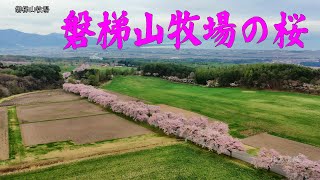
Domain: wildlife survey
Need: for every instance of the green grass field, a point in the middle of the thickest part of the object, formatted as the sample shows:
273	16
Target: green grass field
66	67
16	147
183	161
290	115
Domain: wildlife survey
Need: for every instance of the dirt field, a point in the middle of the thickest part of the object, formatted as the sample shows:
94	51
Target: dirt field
283	146
4	141
80	130
54	116
40	97
59	110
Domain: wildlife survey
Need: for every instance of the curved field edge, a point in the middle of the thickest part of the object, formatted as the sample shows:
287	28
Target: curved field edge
180	161
290	115
19	95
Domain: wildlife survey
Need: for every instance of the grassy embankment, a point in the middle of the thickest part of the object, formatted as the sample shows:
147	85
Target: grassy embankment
183	161
16	148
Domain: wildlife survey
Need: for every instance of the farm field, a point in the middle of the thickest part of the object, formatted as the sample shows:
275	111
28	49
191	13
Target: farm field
41	141
58	110
71	138
80	130
43	130
47	96
290	115
78	121
182	161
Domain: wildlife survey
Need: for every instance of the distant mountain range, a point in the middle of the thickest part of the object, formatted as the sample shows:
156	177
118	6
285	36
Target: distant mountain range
10	38
13	39
14	42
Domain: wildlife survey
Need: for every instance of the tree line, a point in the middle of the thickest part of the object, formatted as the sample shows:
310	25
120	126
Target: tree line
167	69
95	76
264	76
272	76
15	79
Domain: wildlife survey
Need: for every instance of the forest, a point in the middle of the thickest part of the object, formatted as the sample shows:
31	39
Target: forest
260	76
25	78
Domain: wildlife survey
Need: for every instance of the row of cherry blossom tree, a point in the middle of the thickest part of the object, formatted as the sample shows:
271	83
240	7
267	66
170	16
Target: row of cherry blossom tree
211	135
81	68
296	167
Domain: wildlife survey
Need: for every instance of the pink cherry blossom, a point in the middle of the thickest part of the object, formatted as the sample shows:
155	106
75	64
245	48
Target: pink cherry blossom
300	167
66	75
297	167
219	126
82	67
198	121
267	158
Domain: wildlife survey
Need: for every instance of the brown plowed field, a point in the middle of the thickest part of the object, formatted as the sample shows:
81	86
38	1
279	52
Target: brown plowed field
80	130
59	110
40	97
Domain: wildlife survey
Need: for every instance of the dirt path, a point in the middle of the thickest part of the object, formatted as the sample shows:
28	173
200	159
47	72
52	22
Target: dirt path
283	146
4	137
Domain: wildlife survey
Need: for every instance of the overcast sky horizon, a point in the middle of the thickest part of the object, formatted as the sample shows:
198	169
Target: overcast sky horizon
240	10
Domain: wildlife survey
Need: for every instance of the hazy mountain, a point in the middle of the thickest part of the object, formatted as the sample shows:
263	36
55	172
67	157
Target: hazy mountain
13	39
10	38
13	42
